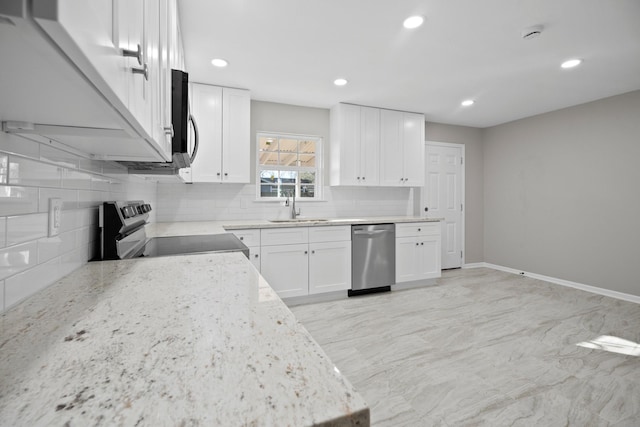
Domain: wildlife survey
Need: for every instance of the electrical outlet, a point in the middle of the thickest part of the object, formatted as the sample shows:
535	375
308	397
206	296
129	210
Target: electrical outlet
55	216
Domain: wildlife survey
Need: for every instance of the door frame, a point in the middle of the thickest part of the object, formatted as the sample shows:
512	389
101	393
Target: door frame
423	190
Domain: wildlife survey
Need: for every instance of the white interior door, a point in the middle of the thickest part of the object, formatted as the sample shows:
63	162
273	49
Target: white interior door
443	195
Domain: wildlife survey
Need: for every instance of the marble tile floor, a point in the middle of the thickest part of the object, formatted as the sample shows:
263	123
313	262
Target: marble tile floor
484	348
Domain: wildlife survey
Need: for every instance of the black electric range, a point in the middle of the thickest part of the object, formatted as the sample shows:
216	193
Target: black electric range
123	235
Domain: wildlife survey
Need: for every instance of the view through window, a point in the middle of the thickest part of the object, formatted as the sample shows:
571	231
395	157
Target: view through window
288	163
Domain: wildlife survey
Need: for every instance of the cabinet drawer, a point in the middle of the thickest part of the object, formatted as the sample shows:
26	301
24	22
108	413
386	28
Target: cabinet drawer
250	237
340	233
417	229
284	236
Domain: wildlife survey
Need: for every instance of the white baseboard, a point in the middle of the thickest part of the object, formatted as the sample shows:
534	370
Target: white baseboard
475	265
562	282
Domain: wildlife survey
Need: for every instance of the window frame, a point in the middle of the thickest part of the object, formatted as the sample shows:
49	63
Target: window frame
318	168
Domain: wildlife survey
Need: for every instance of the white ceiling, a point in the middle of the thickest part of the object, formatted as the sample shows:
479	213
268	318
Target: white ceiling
290	51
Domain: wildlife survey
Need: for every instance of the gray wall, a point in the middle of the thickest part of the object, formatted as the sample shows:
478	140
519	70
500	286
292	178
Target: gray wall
274	117
474	177
561	193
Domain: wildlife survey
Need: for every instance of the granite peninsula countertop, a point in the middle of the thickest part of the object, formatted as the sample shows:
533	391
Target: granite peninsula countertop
186	340
160	229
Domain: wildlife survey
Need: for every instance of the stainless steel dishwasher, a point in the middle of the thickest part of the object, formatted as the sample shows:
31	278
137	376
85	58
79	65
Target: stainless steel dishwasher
373	258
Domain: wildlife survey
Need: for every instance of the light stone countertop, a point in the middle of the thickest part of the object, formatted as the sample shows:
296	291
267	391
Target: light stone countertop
186	340
162	229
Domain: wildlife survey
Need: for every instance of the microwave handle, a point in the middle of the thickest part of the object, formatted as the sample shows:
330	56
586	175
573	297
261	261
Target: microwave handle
195	138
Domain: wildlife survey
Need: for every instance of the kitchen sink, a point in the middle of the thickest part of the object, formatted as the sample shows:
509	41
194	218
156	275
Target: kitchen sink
298	220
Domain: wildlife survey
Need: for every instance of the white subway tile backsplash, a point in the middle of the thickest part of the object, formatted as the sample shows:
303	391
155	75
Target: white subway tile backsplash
29	260
24	228
18	200
33	173
61	158
69	198
27	283
14	259
76	179
3	232
51	247
201	202
4	168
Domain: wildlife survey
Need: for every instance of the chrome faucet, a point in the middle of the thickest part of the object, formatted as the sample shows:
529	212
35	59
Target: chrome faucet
294	213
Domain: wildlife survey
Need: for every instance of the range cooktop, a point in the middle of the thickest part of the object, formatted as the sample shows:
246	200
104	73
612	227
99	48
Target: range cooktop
182	245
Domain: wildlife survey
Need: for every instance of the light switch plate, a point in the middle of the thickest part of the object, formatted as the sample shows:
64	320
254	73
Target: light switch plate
55	216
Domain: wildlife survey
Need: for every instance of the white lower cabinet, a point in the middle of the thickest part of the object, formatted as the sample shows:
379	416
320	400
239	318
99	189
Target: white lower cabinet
299	261
286	268
251	238
329	267
418	251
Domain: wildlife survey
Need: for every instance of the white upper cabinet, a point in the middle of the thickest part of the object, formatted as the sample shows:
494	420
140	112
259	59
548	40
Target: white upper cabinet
66	78
355	145
402	148
223	119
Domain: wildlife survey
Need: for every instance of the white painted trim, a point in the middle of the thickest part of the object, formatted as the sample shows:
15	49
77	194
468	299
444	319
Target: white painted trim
462	189
561	282
474	265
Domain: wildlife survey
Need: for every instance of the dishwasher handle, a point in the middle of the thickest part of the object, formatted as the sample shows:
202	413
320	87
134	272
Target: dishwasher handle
371	233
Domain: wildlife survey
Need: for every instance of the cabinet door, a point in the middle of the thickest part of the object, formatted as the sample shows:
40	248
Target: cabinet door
407	259
369	146
329	267
207	111
391	156
132	24
254	256
236	142
89	33
349	140
413	149
286	269
430	262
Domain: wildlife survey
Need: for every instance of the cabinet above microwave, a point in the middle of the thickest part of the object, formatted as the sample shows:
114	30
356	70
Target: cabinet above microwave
83	75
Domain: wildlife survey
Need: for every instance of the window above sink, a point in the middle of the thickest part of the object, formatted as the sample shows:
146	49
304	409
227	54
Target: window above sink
287	163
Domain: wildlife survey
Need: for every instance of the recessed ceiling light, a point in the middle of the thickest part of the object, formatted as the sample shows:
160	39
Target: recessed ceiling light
340	82
218	62
413	21
467	102
571	63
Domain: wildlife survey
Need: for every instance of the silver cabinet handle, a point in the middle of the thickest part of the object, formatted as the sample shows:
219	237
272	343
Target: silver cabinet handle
144	71
134	54
168	130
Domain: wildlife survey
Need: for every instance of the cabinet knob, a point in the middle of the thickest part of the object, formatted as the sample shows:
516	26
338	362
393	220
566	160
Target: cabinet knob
241	238
363	178
218	173
419	229
256	255
358	178
422	244
313	252
144	71
134	54
305	252
226	174
417	244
